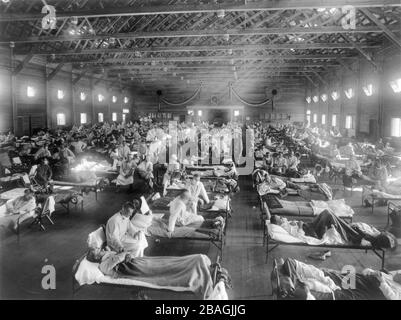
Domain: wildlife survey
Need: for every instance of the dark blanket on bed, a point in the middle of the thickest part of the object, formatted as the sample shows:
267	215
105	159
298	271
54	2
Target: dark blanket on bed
190	272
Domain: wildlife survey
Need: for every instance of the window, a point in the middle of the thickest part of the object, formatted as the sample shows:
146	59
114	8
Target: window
396	85
396	127
315	118
82	96
126	100
30	92
60	119
368	89
349	93
334	120
335	95
100	97
100	117
323	119
124	117
83	118
200	113
60	94
114	116
114	99
125	110
349	122
236	113
308	116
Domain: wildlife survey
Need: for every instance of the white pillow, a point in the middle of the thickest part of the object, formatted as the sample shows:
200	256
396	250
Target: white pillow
88	273
220	204
96	239
141	221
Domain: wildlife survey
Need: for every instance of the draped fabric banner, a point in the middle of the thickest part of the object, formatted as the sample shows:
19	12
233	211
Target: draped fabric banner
182	102
250	104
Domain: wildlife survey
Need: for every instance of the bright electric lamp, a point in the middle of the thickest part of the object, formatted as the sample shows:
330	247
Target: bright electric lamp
335	95
324	97
308	99
315	99
396	85
349	93
368	89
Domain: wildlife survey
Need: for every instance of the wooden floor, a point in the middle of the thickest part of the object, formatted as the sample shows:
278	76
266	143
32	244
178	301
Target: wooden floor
244	256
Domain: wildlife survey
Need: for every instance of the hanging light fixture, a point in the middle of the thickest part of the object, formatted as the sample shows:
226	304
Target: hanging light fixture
368	89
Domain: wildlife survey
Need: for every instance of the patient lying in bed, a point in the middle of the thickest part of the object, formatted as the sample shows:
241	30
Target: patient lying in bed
333	230
302	281
188	273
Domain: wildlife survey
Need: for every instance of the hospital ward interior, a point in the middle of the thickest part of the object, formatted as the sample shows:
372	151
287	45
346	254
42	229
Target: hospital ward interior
200	150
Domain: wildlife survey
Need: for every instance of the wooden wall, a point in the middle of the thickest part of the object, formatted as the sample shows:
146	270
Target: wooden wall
365	109
41	110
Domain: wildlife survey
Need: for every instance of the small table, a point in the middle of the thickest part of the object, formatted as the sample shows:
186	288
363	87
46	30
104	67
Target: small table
392	205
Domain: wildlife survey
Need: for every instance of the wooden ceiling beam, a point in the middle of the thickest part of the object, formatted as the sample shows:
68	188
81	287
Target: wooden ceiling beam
201	33
391	35
138	10
209	58
256	47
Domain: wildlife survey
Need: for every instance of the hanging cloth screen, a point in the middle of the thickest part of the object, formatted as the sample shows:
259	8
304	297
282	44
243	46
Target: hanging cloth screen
186	101
251	104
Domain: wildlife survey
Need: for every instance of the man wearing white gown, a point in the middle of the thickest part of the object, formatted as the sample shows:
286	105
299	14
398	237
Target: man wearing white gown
179	215
122	236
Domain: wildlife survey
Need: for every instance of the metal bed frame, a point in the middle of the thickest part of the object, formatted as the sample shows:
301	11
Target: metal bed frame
304	216
375	197
380	253
76	287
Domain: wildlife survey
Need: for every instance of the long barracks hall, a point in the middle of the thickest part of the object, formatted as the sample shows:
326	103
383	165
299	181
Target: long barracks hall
213	150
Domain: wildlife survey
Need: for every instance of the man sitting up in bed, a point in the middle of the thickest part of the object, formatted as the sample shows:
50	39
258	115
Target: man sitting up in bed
198	192
179	215
272	185
349	233
162	272
20	208
122	236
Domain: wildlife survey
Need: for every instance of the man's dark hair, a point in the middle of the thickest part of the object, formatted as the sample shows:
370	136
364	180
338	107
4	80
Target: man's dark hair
128	205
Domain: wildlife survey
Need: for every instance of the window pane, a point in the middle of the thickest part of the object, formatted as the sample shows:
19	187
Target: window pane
334	120
114	116
323	119
100	117
60	119
395	127
83	118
